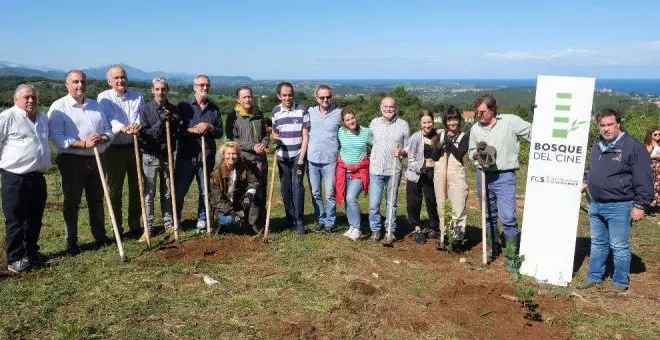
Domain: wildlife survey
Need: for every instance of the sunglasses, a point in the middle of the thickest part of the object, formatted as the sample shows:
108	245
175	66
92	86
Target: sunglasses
325	98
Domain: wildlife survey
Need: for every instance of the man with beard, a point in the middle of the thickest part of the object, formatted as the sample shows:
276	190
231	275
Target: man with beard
247	127
24	157
77	126
200	119
120	107
153	145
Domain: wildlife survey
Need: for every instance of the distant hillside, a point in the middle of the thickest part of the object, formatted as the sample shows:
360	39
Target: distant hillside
12	69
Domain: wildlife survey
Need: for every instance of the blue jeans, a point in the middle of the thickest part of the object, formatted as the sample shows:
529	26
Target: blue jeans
184	172
378	184
323	173
610	229
225	220
501	200
353	189
293	193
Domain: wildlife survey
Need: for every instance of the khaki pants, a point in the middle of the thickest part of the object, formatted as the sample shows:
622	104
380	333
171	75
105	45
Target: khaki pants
457	192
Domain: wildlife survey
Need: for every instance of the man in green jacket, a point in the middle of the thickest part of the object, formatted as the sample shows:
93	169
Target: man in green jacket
247	127
501	133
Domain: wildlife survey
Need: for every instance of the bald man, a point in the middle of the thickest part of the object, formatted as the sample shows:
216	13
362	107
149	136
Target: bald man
391	134
121	108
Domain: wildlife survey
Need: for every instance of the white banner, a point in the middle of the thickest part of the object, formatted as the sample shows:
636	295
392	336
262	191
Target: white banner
556	165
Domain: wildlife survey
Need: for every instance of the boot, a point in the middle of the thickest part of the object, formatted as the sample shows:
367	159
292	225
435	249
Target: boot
491	243
515	241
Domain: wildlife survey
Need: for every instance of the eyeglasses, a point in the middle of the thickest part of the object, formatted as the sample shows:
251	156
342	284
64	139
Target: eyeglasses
325	98
656	134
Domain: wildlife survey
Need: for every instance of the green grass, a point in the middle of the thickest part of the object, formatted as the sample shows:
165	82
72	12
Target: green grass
292	287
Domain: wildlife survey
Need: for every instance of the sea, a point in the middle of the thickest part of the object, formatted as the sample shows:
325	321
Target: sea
641	86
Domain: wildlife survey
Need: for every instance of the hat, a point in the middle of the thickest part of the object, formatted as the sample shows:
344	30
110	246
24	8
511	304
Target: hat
486	158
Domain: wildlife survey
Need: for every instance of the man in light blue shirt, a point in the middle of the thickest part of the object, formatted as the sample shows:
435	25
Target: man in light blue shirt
322	157
76	127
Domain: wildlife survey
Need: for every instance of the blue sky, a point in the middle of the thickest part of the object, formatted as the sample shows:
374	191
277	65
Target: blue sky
340	39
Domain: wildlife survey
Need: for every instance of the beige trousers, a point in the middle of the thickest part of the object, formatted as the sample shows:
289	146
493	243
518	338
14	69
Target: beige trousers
456	192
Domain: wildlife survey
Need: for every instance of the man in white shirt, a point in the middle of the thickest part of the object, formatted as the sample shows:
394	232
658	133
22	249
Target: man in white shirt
77	126
121	108
24	157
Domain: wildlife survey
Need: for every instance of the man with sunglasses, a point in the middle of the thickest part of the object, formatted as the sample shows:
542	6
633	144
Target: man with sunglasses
200	119
495	142
322	157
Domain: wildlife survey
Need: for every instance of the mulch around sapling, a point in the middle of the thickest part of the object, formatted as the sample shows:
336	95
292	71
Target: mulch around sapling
211	249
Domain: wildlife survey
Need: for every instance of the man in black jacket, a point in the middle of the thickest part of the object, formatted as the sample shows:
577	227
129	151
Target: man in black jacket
621	186
153	146
247	127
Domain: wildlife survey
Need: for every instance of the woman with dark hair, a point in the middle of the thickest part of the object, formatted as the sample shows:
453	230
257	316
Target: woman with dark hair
453	145
352	173
419	176
233	187
652	142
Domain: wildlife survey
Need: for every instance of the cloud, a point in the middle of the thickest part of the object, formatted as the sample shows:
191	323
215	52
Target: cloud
544	55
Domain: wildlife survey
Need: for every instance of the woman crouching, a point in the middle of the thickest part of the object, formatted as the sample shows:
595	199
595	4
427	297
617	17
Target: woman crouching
233	187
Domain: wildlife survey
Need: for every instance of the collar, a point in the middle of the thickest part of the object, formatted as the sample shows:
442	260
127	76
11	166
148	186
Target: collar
604	147
394	119
72	102
330	109
241	111
291	109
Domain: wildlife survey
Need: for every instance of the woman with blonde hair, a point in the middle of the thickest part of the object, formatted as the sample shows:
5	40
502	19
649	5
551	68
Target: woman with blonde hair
233	187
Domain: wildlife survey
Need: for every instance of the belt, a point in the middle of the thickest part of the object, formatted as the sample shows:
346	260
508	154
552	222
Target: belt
122	146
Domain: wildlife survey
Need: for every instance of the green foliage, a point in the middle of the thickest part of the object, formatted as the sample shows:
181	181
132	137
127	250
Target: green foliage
511	252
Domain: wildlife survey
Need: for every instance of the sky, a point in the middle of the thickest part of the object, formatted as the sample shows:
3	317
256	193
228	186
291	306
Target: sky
340	39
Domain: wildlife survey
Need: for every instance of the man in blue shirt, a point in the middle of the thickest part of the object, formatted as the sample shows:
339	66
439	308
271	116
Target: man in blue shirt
200	119
621	187
324	122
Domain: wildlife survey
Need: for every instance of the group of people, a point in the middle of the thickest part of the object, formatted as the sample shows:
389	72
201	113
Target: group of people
340	157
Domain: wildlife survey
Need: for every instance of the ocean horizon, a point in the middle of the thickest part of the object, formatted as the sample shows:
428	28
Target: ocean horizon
642	86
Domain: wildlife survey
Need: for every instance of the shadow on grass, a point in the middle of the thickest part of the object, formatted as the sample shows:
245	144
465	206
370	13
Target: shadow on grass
583	248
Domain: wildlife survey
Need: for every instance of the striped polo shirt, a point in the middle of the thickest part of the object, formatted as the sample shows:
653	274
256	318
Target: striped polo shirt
354	146
386	136
289	125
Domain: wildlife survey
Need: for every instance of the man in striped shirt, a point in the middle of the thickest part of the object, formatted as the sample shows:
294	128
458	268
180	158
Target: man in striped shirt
390	135
291	134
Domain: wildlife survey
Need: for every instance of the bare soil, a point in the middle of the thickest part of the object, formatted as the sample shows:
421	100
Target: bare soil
210	249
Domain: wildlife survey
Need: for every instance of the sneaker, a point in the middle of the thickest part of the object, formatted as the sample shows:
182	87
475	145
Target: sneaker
327	229
348	232
619	288
420	238
19	266
355	234
375	236
388	241
40	259
300	230
586	284
201	226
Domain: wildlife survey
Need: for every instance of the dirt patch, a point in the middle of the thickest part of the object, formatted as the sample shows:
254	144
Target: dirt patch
362	287
210	249
53	206
292	328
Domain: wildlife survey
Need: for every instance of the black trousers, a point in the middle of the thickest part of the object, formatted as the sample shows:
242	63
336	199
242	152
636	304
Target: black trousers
414	193
81	173
257	213
23	202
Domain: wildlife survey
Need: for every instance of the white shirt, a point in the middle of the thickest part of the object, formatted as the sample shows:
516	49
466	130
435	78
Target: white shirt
120	111
23	144
68	121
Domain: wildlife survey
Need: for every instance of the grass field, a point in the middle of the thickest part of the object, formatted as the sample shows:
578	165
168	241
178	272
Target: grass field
314	286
